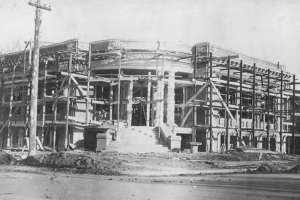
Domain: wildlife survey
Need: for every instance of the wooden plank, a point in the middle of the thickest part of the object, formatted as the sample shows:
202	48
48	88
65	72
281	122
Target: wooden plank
77	85
39	143
186	116
152	101
223	103
195	95
77	119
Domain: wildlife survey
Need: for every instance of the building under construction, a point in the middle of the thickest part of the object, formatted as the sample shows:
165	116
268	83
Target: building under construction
93	95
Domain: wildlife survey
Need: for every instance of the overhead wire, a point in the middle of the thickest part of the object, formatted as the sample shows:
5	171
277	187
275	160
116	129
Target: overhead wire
17	17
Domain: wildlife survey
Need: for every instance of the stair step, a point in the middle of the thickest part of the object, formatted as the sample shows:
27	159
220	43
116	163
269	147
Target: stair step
139	140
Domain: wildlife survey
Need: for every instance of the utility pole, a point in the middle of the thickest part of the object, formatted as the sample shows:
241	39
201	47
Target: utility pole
34	78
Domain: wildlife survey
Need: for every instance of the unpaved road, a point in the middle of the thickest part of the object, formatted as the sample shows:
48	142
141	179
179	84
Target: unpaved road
52	185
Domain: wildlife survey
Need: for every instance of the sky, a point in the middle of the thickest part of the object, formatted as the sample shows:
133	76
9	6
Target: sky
268	29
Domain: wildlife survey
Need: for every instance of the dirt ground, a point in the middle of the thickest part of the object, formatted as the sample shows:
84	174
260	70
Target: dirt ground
114	163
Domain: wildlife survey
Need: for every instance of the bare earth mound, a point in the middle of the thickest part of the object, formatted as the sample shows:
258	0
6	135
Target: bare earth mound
272	168
76	163
114	163
7	159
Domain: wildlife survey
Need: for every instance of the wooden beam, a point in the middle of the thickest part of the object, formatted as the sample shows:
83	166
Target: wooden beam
148	99
223	103
77	85
195	95
186	116
152	101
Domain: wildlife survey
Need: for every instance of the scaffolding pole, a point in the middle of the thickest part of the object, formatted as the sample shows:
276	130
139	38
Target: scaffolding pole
210	104
241	99
88	88
119	93
2	100
54	119
227	103
268	113
294	104
281	104
253	105
194	132
43	110
148	99
68	104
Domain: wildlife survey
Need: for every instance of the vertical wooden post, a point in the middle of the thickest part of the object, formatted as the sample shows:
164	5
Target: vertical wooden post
162	92
68	103
253	104
210	104
119	98
141	107
293	149
111	98
44	103
87	112
95	97
9	129
148	99
54	121
2	100
281	106
194	132
241	100
183	102
268	112
227	102
153	107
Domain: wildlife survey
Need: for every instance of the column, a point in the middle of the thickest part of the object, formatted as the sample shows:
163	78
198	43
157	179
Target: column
158	103
171	98
129	105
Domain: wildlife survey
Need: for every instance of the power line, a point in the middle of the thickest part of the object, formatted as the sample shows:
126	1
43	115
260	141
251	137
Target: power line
16	17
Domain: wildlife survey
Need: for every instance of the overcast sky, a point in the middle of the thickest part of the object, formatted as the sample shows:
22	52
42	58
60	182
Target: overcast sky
268	29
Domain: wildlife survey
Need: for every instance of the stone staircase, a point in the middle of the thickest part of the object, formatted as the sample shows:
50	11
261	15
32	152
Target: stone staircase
139	139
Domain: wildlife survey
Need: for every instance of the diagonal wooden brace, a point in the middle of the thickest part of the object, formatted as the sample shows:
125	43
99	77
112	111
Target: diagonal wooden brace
77	85
195	95
186	116
223	103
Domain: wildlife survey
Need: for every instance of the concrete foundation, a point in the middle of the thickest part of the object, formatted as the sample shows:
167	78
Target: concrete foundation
103	140
174	143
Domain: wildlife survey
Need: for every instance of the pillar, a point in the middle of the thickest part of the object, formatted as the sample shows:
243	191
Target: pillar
159	104
171	98
129	105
